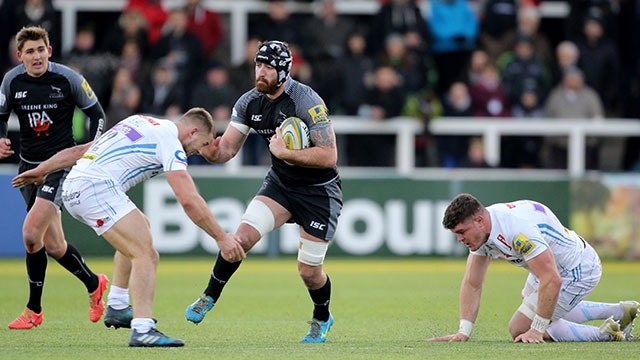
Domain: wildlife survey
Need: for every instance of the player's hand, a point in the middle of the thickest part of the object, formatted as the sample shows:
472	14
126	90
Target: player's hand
531	336
453	337
231	249
277	146
5	148
33	176
209	152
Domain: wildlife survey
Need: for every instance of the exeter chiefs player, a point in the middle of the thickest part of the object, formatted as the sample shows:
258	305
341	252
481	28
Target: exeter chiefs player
308	192
44	96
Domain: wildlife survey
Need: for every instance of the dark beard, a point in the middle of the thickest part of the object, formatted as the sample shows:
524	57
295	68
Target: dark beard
268	88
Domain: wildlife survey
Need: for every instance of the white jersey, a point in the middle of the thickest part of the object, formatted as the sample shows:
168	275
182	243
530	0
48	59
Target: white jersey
523	229
134	150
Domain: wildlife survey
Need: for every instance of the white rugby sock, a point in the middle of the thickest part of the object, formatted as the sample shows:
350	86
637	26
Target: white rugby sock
591	310
142	325
565	331
118	298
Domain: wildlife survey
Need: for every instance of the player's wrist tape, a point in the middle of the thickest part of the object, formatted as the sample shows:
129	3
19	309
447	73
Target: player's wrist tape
465	327
540	324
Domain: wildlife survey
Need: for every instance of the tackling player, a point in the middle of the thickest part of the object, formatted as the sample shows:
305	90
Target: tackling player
44	95
134	150
563	270
309	192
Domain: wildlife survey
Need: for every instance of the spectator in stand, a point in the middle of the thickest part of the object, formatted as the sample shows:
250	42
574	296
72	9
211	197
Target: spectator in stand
409	65
567	55
132	60
204	24
477	63
454	28
384	101
453	150
524	151
39	13
524	70
125	98
528	25
154	15
475	155
402	17
162	95
599	61
97	67
215	94
238	74
324	47
499	20
354	69
131	26
488	96
572	99
278	24
182	49
582	9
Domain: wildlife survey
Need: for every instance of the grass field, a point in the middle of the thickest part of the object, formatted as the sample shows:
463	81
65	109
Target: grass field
383	310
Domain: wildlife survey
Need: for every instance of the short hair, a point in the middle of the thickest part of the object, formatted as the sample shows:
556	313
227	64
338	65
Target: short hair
31	33
201	118
461	207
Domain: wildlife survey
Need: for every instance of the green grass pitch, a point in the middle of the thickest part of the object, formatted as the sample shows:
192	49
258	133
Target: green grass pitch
383	309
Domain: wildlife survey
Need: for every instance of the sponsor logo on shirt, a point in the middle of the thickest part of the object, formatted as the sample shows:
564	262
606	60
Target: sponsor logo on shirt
89	156
21	94
318	114
181	156
523	244
256	117
87	89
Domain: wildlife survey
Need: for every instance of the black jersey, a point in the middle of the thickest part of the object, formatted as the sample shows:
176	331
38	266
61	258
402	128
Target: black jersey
264	115
45	106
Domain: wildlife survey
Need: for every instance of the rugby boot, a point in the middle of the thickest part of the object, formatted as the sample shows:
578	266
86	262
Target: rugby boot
196	311
318	331
631	309
27	320
153	338
612	328
96	303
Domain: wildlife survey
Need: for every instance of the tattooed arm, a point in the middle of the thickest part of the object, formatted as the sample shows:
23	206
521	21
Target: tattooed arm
322	154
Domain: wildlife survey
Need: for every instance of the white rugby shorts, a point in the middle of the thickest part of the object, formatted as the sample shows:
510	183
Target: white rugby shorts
98	203
576	285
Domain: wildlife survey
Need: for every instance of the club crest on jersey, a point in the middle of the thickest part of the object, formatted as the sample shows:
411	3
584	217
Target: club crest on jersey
56	94
318	114
523	244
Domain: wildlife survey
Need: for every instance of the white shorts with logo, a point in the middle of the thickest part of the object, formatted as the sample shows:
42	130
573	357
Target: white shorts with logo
576	285
98	203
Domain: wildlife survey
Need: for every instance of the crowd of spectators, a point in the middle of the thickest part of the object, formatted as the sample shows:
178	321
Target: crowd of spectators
460	58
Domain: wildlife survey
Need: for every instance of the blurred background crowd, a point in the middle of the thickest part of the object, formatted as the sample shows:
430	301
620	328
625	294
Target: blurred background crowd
424	59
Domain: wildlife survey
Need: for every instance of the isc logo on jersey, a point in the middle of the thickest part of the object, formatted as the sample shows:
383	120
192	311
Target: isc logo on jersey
523	244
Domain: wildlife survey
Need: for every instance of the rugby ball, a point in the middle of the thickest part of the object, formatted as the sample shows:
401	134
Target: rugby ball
295	133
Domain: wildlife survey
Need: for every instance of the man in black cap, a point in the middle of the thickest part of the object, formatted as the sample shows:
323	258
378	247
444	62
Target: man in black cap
302	186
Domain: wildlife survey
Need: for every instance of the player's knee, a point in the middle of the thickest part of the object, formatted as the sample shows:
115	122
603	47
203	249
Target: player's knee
259	217
33	240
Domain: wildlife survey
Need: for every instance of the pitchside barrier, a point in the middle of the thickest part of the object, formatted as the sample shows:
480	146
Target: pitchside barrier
383	215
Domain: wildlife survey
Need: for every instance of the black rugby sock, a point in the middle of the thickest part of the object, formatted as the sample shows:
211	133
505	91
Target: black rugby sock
74	263
36	269
321	298
221	273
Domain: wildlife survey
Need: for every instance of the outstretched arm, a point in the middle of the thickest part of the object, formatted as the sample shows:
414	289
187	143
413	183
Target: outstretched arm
62	159
323	153
470	294
224	147
198	211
